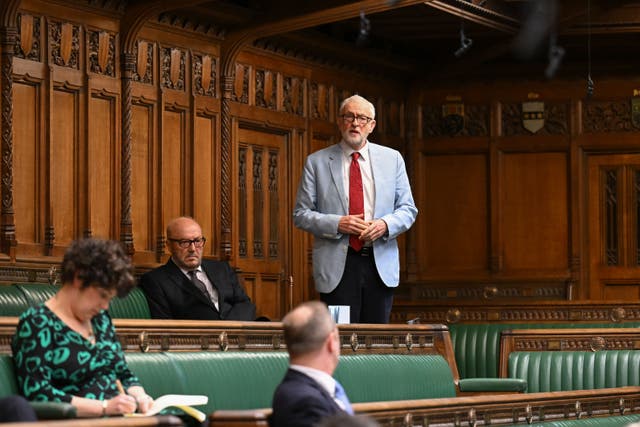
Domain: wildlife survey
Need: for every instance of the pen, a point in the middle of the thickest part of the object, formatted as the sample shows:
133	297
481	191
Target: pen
120	388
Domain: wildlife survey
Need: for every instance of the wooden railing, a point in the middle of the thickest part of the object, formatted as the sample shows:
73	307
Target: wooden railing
476	410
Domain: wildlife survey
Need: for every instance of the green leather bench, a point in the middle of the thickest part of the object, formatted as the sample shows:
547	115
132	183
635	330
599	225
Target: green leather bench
614	421
477	346
575	370
248	380
236	381
17	297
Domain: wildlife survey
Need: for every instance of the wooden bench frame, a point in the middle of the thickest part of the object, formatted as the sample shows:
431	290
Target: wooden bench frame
582	339
508	409
488	311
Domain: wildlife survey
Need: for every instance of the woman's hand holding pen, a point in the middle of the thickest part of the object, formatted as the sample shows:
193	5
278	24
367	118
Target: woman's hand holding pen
121	404
143	400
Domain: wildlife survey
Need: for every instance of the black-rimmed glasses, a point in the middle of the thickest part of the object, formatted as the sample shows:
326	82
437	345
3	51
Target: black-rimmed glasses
185	243
359	120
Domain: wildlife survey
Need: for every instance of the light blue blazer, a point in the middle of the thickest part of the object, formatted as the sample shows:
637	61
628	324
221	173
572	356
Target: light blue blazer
322	200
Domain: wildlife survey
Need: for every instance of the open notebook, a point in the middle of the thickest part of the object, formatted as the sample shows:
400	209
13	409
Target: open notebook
182	401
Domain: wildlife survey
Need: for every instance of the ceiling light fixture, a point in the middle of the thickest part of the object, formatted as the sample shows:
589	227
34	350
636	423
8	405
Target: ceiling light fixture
590	85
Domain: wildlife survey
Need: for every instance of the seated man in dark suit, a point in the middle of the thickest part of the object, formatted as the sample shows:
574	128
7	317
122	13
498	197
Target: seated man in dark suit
188	287
308	393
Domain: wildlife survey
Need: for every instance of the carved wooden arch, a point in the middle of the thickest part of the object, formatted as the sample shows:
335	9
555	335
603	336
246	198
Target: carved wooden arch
8	32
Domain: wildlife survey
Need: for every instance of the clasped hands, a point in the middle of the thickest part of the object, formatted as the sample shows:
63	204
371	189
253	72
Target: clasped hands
367	231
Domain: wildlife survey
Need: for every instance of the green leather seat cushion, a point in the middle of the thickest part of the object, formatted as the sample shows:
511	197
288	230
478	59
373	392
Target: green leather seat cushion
613	421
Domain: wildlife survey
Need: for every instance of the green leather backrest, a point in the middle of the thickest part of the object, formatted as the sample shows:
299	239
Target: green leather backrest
8	385
239	380
133	306
16	298
12	301
36	293
376	377
231	380
477	346
613	421
575	370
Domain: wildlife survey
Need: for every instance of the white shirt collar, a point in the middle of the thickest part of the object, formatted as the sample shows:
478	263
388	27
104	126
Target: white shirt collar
325	380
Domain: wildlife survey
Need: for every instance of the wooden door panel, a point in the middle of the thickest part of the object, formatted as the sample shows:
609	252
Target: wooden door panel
614	205
261	209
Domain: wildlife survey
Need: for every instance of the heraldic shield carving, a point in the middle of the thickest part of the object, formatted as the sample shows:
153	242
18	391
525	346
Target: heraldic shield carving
533	115
453	118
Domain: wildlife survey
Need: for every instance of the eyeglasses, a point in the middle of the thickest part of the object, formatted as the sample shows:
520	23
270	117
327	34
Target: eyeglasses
185	243
359	120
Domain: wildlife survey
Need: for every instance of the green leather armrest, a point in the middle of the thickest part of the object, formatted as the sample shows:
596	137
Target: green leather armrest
493	384
53	410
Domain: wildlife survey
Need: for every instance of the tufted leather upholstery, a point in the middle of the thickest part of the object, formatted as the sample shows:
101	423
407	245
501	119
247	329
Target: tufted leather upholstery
614	421
248	380
477	346
575	370
17	297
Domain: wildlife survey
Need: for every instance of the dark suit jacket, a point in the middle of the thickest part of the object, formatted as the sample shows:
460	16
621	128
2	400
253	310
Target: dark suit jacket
299	401
171	295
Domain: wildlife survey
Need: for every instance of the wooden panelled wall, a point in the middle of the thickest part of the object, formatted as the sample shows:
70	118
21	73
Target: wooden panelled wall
505	212
520	205
69	170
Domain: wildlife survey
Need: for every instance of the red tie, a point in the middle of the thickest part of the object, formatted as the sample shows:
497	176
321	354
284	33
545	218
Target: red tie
356	199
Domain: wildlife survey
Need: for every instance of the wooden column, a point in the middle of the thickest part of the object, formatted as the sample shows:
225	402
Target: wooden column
7	225
126	229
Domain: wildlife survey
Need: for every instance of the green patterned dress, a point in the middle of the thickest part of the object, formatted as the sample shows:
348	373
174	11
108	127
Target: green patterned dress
55	363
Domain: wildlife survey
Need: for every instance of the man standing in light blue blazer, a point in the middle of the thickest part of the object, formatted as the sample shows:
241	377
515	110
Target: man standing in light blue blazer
359	271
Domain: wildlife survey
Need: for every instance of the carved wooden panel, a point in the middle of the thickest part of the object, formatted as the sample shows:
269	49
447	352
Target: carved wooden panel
143	52
102	171
172	164
258	196
607	116
293	94
204	74
494	312
205	178
142	183
274	189
28	44
453	220
64	44
173	68
266	84
241	84
102	52
319	101
243	213
64	166
475	121
556	120
27	174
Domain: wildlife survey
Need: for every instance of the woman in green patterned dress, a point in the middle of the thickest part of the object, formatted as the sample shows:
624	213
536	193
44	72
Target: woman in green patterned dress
66	349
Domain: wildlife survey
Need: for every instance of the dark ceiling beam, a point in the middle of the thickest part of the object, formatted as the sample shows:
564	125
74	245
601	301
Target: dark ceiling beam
326	16
238	39
495	19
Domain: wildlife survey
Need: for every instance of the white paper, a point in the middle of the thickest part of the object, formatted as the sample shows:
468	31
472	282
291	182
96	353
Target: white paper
340	313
